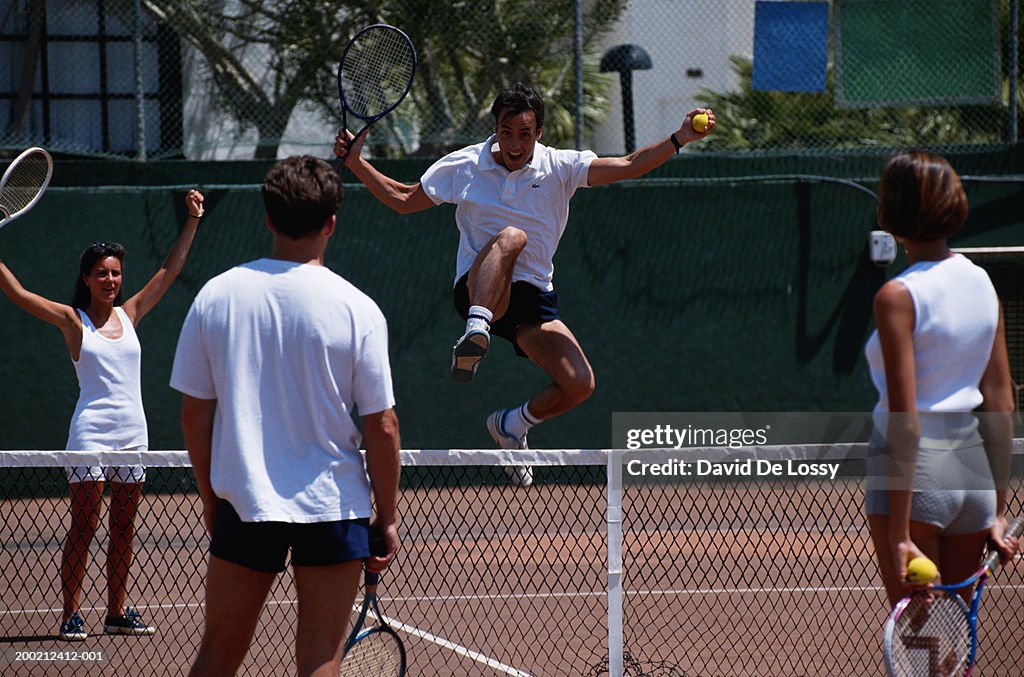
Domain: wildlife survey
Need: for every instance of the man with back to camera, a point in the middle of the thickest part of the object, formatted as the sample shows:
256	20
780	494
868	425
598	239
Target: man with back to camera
273	358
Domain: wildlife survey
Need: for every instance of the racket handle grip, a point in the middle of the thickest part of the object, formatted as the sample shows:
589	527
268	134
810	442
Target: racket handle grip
371	578
1013	530
378	546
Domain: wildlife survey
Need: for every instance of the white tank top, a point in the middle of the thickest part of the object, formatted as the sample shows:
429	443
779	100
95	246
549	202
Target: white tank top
956	312
109	413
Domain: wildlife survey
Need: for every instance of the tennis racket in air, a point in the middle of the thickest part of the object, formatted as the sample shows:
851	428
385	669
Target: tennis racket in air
933	632
378	651
375	73
24	183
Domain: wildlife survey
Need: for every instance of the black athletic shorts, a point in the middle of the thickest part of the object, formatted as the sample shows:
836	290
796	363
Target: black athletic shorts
527	305
264	546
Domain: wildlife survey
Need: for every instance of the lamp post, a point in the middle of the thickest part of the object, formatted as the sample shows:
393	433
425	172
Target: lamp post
624	59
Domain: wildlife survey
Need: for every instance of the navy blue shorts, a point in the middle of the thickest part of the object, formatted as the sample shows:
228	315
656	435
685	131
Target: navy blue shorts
264	546
527	305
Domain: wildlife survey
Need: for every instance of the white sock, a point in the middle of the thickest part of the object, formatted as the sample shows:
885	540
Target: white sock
479	318
518	421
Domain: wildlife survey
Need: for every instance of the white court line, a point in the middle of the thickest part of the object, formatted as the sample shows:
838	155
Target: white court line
552	595
754	591
448	644
502	596
660	592
773	591
456	648
141	607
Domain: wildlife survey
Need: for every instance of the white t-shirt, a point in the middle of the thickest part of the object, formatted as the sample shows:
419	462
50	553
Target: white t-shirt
109	413
956	312
490	198
289	351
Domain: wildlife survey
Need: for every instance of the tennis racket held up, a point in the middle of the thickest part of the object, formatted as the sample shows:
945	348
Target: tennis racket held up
934	632
24	183
375	73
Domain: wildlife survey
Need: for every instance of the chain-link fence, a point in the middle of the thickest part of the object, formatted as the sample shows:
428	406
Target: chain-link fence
751	577
215	79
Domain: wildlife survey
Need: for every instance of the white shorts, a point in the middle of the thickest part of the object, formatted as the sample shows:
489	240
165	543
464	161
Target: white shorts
130	474
953	490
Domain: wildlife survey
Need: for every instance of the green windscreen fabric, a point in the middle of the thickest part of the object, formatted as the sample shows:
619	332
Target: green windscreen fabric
916	52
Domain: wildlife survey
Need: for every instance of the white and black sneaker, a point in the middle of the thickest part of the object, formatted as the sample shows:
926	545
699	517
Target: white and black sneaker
467	353
521	475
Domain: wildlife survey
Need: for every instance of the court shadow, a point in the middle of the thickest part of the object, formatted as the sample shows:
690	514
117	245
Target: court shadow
18	639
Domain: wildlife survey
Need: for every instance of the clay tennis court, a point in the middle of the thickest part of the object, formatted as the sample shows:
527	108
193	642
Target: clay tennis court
737	579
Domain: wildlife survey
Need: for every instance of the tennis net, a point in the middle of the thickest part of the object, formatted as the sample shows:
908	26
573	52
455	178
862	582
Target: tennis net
580	574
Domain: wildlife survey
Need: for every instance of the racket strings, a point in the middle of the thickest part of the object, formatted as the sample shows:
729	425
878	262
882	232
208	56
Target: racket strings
376	72
24	182
932	638
376	654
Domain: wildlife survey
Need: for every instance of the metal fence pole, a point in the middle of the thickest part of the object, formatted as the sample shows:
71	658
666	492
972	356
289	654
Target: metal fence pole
1014	69
578	56
140	86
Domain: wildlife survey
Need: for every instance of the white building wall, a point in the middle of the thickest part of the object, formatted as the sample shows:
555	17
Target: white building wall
679	35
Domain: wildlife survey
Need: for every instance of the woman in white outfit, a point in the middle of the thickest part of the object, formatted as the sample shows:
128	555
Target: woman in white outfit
100	335
938	354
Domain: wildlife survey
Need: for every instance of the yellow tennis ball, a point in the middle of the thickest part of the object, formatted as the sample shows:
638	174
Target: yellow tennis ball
921	570
699	122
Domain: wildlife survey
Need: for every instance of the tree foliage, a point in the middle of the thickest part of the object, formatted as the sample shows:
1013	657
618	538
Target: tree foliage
469	49
266	58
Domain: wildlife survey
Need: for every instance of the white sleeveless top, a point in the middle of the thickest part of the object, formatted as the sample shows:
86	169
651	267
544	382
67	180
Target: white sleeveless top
109	413
956	313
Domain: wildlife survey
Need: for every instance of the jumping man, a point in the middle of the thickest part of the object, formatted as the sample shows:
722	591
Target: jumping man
512	195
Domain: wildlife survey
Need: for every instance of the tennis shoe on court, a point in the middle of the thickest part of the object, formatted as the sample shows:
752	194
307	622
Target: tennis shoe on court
521	475
73	629
467	353
129	624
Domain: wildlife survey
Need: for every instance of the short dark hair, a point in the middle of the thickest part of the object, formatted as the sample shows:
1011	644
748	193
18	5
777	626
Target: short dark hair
920	196
97	251
300	193
517	99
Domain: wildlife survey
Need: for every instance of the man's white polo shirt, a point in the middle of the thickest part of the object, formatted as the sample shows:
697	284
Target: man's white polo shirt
489	198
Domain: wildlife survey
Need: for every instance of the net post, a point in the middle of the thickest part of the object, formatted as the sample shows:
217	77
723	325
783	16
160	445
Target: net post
614	528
